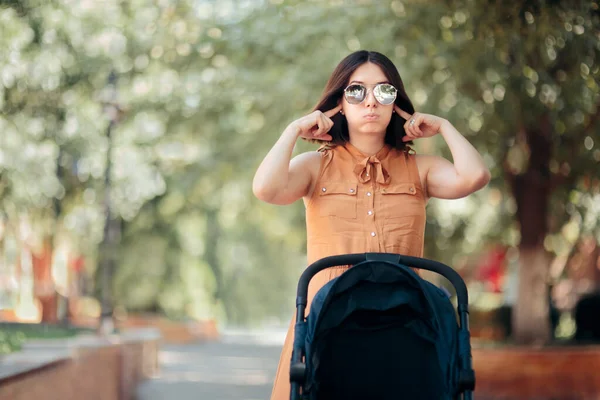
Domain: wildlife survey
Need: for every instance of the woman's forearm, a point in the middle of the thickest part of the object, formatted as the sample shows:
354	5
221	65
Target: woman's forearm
272	175
467	161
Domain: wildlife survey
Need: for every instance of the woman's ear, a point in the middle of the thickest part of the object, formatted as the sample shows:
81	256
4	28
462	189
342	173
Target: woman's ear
398	117
339	131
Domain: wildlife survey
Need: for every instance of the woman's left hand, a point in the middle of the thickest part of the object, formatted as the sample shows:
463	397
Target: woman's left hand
420	125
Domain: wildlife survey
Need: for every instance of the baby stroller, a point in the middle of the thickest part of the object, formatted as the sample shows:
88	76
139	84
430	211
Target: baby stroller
379	332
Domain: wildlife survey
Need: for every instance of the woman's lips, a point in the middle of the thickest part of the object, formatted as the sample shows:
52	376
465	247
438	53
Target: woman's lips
371	117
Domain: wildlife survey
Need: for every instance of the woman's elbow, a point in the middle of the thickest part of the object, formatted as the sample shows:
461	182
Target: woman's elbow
482	178
261	192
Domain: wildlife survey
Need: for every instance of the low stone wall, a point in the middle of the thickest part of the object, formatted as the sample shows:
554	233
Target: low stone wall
80	368
515	373
173	332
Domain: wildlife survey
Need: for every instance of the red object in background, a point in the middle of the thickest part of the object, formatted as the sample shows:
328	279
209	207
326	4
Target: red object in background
42	270
44	289
490	268
77	264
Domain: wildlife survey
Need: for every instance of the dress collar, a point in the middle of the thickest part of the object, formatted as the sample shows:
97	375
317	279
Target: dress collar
358	155
365	165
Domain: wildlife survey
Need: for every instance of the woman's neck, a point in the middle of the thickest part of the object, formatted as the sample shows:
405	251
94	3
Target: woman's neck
367	144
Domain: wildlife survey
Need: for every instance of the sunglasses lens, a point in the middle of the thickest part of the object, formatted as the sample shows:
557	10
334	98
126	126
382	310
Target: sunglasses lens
385	93
355	94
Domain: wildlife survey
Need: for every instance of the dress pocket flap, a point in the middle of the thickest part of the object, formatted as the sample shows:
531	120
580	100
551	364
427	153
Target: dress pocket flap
347	188
400	188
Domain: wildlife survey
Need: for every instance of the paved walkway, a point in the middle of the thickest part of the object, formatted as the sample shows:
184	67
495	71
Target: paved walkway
239	367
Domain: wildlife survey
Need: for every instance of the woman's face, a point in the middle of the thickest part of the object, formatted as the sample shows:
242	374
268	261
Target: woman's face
370	116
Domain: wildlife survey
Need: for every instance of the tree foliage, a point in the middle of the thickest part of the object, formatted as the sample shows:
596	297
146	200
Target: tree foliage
206	87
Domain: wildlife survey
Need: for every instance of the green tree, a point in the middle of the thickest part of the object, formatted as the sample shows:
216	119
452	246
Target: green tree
207	87
522	81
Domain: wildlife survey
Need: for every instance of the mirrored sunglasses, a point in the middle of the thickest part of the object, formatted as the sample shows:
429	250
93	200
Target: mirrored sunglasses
384	93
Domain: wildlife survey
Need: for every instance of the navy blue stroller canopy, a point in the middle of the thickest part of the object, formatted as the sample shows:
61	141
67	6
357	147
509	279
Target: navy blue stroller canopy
379	331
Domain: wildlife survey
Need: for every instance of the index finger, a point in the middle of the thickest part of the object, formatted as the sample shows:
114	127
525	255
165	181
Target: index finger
333	111
402	113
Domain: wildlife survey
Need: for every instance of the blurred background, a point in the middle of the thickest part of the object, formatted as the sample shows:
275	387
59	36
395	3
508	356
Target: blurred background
130	132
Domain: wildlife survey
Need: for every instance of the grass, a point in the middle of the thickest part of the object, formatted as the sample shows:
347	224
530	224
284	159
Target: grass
13	335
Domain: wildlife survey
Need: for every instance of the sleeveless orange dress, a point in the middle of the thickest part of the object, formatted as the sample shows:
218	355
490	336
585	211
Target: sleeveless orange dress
360	204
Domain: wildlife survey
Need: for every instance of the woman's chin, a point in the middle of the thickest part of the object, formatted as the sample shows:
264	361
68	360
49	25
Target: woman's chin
372	129
369	128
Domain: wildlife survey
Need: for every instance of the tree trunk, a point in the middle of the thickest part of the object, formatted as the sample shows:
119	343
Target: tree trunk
531	190
213	235
531	319
44	289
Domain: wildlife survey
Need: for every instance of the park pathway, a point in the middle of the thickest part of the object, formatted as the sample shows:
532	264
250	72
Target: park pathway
240	366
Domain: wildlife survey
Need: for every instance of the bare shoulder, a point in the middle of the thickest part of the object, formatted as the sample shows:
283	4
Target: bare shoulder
424	163
307	164
308	158
425	160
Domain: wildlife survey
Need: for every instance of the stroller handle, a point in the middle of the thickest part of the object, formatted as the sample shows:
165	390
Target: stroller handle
352	259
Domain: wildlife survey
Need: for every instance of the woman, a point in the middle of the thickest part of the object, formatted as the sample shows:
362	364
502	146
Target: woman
365	190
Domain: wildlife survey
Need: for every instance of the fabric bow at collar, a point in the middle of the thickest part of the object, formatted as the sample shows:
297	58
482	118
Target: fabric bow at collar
364	171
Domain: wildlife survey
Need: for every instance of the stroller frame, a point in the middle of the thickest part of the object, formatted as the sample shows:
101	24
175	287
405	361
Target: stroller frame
466	381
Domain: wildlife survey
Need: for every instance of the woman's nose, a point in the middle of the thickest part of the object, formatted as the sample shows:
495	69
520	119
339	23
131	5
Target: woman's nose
370	100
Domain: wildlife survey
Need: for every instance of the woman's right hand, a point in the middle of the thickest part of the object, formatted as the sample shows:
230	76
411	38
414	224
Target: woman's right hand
316	124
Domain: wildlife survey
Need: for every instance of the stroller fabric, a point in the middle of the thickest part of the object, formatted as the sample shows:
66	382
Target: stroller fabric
379	331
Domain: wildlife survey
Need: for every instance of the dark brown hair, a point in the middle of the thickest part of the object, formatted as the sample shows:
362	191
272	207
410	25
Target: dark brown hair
335	89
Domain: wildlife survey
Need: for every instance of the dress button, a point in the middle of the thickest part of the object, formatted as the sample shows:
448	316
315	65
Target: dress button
351	190
324	189
373	233
370	212
368	193
412	190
